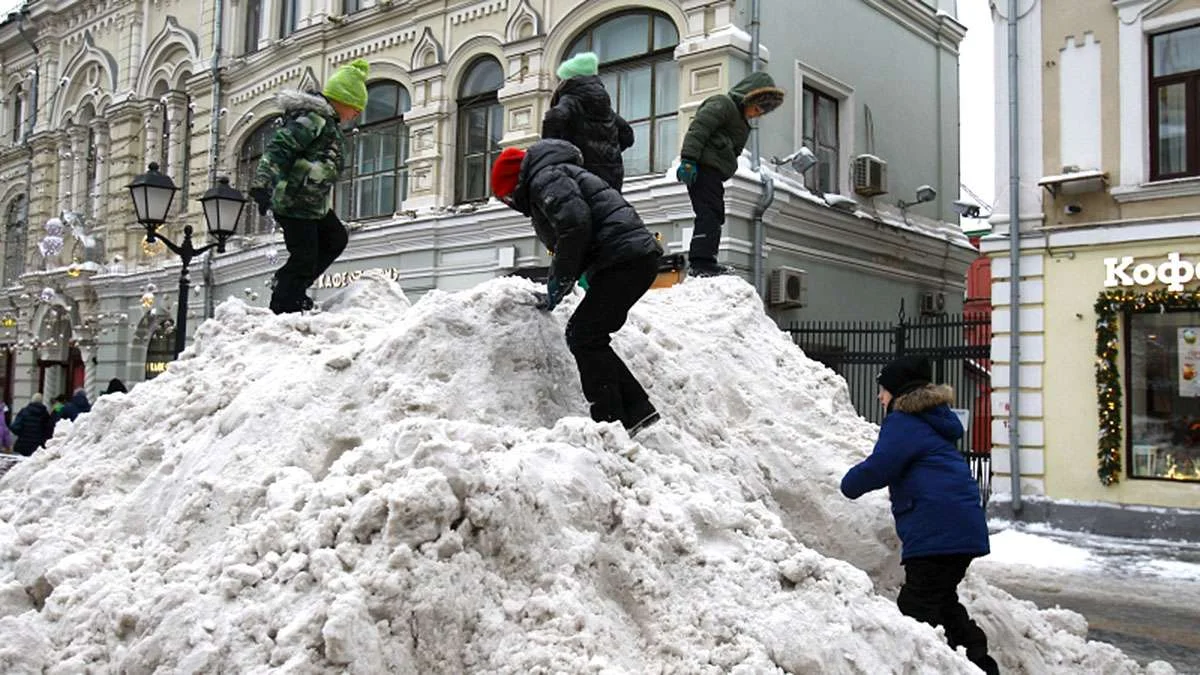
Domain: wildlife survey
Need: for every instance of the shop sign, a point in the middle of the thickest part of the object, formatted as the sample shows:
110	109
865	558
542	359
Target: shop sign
343	279
156	367
1175	272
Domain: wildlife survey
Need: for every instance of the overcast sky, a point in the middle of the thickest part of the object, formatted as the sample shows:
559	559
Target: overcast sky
976	100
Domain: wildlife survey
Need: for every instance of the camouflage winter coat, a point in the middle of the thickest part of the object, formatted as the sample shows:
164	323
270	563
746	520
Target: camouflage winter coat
302	161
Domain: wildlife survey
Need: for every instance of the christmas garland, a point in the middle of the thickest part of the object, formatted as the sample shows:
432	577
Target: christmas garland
1109	308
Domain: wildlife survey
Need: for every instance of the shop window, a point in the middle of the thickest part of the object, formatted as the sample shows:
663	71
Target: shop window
820	127
375	180
638	67
248	155
160	351
1174	107
480	127
1163	362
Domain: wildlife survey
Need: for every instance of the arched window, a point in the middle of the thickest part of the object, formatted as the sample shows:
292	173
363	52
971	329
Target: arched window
375	180
636	51
14	241
160	350
480	127
248	155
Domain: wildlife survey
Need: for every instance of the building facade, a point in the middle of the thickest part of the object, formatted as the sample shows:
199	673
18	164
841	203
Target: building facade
95	90
1109	297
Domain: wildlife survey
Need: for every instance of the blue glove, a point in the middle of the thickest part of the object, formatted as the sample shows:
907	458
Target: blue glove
556	290
687	172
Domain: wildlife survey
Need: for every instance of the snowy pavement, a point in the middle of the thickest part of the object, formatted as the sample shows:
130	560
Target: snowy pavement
1142	596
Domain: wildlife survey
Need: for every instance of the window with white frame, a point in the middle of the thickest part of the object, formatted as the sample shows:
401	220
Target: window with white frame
17	111
251	27
480	127
637	64
289	17
820	124
352	6
1174	107
375	179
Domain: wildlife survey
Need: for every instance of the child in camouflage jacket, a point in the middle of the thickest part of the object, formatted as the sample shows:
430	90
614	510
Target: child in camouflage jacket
296	176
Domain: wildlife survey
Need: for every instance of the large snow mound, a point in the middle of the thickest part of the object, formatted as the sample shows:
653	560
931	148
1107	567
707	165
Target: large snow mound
416	488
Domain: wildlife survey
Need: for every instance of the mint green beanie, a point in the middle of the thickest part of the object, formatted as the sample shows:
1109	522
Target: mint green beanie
586	63
348	84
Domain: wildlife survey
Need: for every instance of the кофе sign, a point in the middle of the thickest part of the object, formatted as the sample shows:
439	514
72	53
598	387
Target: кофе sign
1174	273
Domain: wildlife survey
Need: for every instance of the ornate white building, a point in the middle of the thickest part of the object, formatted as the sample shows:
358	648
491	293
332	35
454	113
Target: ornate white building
94	90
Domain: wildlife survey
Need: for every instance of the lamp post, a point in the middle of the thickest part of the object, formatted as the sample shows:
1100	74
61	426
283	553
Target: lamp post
152	194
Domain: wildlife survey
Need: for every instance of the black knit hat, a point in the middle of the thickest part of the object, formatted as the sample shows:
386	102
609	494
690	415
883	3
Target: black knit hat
905	374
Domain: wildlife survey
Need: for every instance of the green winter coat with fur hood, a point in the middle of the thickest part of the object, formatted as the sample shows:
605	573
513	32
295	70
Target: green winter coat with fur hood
303	159
718	133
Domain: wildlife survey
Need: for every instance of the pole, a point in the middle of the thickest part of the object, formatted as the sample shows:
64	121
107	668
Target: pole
768	184
214	140
187	252
1014	254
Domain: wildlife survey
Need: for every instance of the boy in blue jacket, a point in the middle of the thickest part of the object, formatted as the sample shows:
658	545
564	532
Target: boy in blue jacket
935	500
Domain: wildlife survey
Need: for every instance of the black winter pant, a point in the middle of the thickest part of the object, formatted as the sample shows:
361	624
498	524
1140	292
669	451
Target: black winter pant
708	201
613	392
312	247
930	594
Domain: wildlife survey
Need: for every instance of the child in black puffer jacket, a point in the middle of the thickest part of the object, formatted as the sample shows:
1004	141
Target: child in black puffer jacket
589	227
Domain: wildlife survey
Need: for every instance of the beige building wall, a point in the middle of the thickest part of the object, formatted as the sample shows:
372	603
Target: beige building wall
1093	84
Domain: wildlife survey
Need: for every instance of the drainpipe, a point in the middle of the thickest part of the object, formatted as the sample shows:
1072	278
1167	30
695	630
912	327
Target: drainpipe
30	115
214	144
1014	254
768	184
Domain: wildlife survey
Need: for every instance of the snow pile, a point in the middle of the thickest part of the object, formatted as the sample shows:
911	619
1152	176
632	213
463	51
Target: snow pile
389	488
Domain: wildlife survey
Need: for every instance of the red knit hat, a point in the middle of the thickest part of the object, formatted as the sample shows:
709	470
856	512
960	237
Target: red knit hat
505	171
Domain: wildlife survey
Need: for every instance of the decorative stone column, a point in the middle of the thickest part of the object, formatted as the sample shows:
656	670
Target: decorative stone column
427	159
98	191
78	176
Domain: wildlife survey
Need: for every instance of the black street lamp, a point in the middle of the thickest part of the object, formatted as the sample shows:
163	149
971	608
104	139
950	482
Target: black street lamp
152	194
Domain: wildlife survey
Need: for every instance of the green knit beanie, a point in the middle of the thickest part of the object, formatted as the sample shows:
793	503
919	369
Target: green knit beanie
348	84
586	63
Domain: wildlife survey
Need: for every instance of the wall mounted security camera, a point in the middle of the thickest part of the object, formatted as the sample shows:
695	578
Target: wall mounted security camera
965	208
1073	209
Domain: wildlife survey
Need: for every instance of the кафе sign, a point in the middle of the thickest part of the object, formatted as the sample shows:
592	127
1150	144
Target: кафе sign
1173	273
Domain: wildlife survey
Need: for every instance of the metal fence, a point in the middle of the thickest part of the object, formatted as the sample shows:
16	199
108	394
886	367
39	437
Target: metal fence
958	346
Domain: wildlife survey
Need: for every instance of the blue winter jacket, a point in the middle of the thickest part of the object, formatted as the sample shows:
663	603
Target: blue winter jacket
935	500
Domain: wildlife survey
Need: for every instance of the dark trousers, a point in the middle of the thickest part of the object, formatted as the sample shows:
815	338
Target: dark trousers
312	247
930	594
708	201
613	392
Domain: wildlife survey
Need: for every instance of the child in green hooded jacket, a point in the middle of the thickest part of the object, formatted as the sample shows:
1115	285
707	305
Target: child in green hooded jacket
709	157
296	176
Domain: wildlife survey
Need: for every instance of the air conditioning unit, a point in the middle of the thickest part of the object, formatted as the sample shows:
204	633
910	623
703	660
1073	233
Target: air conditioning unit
870	176
932	303
788	288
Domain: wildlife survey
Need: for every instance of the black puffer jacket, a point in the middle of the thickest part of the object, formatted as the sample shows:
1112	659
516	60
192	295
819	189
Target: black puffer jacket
581	113
33	428
584	222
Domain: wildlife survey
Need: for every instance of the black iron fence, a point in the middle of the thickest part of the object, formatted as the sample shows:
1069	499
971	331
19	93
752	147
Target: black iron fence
958	346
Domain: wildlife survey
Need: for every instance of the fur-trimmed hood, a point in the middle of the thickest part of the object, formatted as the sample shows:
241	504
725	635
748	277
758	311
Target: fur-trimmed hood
932	403
293	100
924	398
